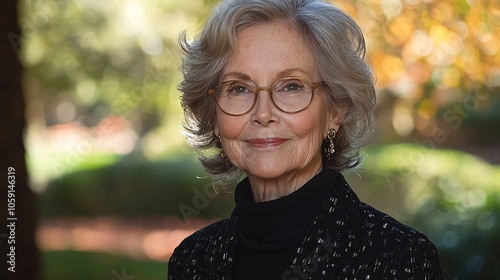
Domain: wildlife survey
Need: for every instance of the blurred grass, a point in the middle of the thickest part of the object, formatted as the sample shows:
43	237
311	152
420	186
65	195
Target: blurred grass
65	265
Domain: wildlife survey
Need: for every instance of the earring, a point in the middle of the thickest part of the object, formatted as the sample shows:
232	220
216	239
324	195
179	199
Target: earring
330	147
222	154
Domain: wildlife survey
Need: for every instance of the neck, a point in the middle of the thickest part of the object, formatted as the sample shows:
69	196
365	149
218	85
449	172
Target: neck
266	189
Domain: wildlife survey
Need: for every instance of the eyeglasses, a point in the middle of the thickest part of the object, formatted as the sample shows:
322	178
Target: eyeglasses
290	95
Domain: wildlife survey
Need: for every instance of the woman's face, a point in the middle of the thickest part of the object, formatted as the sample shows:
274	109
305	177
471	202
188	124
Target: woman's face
267	143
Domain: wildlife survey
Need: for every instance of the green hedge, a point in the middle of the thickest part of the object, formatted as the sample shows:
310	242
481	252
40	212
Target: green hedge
136	187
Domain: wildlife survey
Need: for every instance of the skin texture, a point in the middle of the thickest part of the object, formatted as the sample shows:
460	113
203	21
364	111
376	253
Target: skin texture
278	151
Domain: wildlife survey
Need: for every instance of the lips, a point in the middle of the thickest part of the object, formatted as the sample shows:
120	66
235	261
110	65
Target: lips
266	142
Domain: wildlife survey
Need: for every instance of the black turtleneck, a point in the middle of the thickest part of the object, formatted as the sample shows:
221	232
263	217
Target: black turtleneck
269	232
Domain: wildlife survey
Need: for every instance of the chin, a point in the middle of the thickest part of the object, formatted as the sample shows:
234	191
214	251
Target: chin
269	172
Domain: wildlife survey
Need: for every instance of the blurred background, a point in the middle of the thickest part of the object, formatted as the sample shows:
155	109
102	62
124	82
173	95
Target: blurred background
117	188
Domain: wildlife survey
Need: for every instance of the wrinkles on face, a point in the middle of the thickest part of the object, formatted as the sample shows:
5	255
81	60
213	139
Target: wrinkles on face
278	151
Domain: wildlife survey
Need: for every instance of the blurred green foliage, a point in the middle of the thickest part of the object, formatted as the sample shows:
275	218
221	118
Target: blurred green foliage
135	186
85	60
64	265
452	197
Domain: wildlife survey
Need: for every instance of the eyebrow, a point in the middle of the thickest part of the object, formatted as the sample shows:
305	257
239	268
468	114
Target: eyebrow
282	74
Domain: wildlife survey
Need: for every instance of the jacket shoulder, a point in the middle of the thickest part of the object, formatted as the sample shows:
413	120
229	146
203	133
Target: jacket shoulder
399	249
379	244
416	255
204	252
373	224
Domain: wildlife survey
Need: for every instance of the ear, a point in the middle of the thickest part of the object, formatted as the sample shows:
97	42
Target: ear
335	118
216	130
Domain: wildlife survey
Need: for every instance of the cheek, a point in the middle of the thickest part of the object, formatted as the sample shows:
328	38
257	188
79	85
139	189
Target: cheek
306	126
312	123
230	127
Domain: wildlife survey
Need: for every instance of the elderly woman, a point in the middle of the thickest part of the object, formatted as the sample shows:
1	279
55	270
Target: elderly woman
279	90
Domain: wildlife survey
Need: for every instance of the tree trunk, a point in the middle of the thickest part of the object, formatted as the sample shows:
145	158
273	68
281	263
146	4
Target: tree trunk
17	216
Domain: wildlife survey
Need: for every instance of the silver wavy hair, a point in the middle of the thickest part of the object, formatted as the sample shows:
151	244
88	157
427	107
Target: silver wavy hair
338	47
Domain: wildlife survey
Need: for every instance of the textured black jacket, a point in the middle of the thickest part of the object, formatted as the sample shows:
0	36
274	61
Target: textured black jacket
348	239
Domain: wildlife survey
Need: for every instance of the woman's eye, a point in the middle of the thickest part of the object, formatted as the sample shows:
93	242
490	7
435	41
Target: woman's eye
291	86
238	89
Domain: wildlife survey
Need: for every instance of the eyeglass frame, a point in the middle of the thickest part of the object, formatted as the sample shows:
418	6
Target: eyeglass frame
269	89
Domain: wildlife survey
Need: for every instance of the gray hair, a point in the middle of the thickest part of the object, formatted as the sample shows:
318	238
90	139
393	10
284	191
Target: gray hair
338	47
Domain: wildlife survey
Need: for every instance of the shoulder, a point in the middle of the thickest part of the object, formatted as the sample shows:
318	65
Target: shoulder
380	242
205	236
203	250
379	225
391	233
397	248
371	223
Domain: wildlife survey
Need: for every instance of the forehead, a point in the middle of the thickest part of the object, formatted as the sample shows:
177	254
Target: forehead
267	50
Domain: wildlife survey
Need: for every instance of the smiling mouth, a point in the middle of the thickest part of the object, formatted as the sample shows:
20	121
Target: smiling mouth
266	142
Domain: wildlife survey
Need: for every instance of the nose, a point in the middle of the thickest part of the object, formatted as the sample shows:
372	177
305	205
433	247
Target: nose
264	111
